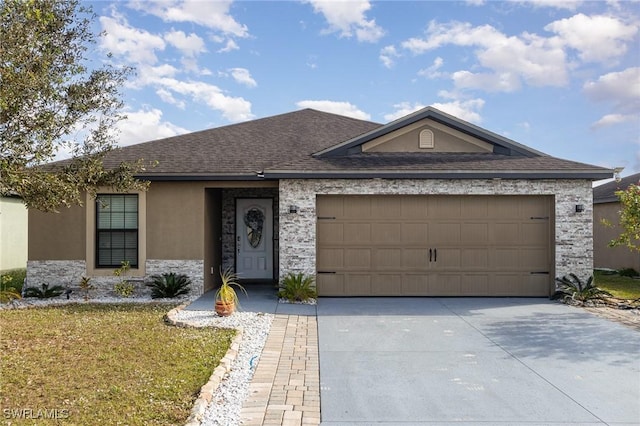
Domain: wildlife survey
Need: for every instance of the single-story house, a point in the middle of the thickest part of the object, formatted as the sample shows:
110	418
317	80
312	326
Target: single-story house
13	233
606	205
426	205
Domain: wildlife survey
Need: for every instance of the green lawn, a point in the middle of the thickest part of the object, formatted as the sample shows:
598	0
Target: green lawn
104	364
620	287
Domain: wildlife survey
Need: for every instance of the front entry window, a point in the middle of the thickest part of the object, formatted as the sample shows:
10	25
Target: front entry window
116	230
254	221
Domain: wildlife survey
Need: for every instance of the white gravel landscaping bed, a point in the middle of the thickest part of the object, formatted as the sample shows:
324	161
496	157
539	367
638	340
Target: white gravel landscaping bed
28	302
225	406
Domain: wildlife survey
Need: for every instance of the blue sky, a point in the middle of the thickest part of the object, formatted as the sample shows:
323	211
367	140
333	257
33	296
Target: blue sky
560	76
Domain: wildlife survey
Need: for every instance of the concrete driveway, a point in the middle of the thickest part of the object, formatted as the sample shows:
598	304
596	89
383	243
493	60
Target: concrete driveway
474	361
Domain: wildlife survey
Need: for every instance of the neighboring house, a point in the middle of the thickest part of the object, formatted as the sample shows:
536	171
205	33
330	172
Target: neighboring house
606	205
13	233
425	205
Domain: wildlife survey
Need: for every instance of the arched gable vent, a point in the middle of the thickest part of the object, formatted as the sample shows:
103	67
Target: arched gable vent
426	139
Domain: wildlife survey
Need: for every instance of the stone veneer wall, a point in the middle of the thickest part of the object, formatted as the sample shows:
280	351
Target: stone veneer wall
573	231
67	273
194	269
229	221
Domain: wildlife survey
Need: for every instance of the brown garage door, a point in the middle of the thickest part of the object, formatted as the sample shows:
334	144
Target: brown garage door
423	245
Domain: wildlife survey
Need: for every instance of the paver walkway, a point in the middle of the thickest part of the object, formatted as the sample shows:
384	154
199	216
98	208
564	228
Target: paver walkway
285	389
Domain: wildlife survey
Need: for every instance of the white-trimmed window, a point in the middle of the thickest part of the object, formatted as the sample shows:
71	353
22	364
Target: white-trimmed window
116	230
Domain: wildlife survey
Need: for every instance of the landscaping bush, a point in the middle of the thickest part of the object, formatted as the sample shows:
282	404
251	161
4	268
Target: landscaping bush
45	292
169	285
628	272
15	278
297	288
573	290
123	288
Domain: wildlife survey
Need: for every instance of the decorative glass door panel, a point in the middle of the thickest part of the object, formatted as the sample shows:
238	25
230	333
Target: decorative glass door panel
254	238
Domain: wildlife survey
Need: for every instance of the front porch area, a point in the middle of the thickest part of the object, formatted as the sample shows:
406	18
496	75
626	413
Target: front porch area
259	298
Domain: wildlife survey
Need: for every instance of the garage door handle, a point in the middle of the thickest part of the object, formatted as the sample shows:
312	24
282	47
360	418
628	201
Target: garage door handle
430	255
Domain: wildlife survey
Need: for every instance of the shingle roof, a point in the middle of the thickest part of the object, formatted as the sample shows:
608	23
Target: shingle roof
437	165
606	193
245	148
284	145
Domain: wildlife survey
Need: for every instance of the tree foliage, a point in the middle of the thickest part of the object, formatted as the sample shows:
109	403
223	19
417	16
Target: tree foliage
53	98
629	218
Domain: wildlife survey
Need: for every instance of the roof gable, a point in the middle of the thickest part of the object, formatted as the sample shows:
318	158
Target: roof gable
498	144
427	136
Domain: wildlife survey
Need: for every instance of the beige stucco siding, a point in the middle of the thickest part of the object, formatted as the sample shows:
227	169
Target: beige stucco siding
57	236
13	233
445	139
603	255
175	220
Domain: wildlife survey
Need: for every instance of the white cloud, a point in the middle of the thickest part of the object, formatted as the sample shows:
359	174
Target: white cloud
335	107
231	45
498	82
402	109
136	45
211	14
432	72
613	119
619	86
622	90
145	125
168	97
597	38
149	74
468	110
232	108
312	61
348	18
191	64
190	45
387	55
538	61
243	76
557	4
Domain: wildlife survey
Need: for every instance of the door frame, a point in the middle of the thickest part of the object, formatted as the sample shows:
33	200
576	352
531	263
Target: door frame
272	245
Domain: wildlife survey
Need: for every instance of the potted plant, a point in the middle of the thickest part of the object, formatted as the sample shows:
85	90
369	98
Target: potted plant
226	296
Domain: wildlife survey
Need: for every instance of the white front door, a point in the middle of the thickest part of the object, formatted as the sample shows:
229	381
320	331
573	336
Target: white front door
254	238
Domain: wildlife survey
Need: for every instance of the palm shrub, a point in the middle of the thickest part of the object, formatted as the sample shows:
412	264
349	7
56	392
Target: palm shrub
297	287
169	285
572	289
226	293
45	292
